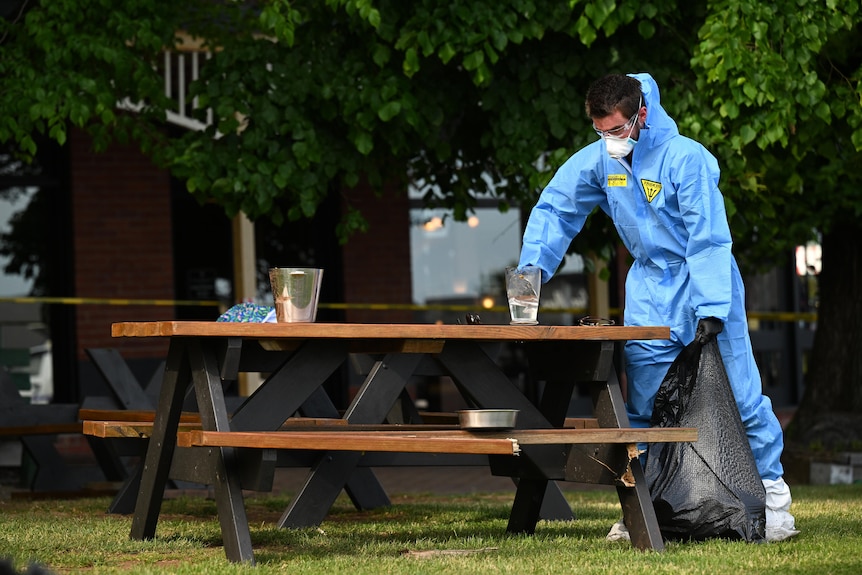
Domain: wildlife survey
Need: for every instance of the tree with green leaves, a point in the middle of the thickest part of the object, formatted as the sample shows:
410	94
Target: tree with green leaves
473	99
784	84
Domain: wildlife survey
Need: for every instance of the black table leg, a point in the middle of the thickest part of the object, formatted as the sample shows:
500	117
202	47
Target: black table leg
124	501
526	508
481	380
286	389
594	366
635	501
297	385
372	403
362	485
161	446
225	473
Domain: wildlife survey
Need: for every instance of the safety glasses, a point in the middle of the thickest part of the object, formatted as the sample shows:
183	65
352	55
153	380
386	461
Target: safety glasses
620	130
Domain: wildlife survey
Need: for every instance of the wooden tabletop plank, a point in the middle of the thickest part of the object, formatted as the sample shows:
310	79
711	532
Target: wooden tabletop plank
386	331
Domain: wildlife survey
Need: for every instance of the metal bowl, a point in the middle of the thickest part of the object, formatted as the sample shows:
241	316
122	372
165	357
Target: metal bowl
487	418
595	321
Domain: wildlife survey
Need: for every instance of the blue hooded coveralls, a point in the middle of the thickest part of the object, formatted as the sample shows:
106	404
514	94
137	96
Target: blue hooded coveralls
670	215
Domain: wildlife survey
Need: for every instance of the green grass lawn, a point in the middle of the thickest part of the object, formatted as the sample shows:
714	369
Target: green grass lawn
457	534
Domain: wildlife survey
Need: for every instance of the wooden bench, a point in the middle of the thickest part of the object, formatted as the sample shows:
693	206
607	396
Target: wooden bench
41	429
308	434
117	435
43	467
36	427
109	423
137	416
594	442
375	438
337	434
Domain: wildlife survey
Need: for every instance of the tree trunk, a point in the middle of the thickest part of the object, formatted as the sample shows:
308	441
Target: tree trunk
830	412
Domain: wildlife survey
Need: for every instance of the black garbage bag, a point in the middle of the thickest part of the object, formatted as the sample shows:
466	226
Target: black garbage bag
711	487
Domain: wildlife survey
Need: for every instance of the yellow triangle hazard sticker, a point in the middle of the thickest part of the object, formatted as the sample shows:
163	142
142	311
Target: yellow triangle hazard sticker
651	189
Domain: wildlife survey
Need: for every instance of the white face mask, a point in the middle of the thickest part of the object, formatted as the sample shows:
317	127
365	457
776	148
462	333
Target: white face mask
619	147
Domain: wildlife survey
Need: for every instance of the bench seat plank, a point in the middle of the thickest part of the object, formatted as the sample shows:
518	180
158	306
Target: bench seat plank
436	441
135	415
297	429
601	435
405	442
148	416
144	429
429	418
133	429
45	429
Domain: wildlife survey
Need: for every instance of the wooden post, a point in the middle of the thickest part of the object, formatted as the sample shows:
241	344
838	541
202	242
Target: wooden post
598	304
245	282
244	272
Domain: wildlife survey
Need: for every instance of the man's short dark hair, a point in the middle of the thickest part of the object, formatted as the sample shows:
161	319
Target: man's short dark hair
613	92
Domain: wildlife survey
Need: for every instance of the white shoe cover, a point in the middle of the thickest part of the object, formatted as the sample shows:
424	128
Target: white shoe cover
618	532
780	524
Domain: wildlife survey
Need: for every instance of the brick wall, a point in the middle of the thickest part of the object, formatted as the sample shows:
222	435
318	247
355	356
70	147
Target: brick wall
377	262
121	213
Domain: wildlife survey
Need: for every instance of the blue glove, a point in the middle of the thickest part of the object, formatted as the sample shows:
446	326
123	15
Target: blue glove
707	329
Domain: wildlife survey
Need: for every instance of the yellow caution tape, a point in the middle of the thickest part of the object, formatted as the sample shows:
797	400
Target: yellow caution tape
786	316
763	316
107	301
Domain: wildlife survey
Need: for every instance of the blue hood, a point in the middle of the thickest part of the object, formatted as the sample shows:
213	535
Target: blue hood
659	125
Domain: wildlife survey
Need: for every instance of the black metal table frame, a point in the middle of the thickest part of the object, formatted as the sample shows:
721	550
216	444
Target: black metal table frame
295	386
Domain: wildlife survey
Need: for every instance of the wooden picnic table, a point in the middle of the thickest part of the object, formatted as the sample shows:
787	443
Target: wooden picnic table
237	451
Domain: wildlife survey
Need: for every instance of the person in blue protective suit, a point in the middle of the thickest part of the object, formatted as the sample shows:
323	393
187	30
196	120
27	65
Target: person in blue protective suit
661	191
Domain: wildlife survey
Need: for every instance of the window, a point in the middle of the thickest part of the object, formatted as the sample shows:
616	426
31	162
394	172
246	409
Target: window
461	262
